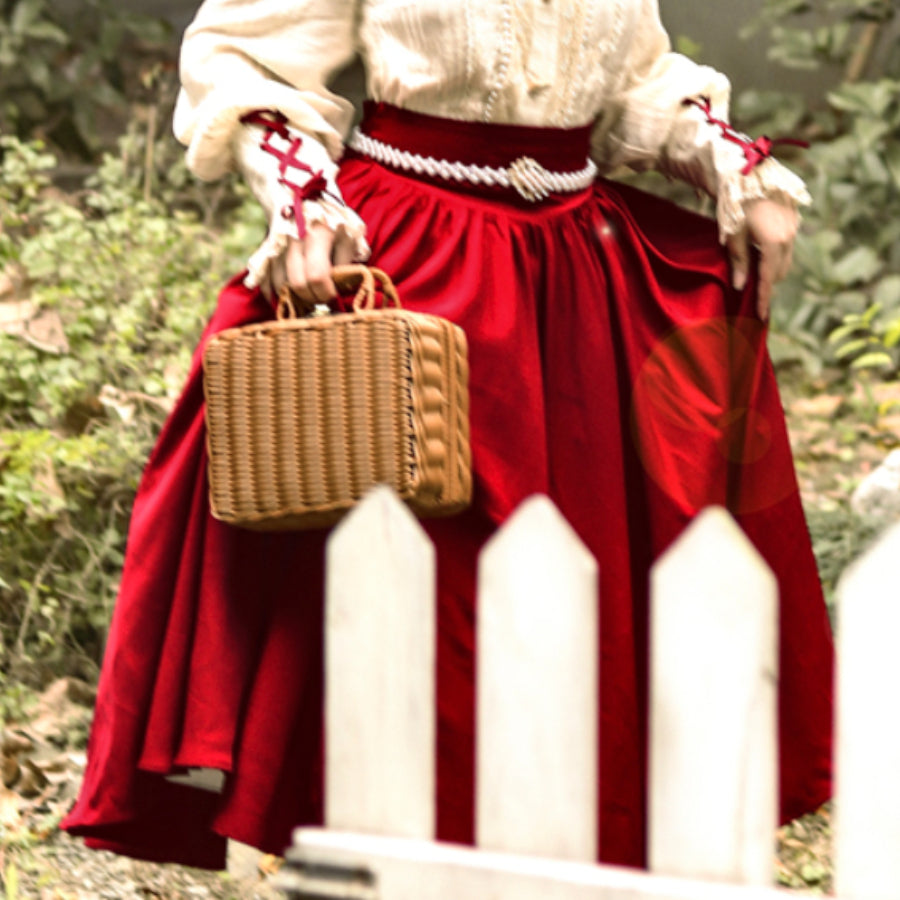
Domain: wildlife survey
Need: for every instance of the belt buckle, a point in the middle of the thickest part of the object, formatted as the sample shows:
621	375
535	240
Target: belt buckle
529	178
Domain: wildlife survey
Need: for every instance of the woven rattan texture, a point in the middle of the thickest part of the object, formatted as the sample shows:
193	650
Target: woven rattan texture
306	415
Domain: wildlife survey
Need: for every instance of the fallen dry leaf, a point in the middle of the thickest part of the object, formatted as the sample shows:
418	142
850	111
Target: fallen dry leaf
270	864
10	769
10	810
14	315
45	331
13	742
884	393
32	781
823	406
890	424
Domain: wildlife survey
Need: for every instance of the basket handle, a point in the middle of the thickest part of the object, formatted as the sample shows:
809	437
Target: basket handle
346	278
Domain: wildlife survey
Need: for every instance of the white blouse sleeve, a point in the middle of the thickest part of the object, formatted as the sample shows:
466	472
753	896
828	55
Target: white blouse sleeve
647	125
242	56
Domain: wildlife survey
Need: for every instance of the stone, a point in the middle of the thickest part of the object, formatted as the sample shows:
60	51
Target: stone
878	495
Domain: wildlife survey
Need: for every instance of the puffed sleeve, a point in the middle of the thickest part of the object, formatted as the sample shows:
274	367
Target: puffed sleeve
241	57
646	124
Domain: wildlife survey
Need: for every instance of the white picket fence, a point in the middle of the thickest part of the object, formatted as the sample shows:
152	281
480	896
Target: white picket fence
713	765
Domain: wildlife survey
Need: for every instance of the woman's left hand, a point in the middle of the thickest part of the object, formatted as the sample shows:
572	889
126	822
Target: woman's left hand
771	227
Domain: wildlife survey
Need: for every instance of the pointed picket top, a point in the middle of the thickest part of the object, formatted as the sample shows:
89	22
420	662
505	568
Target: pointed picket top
539	540
714	547
867	824
381	520
713	706
380	678
537	688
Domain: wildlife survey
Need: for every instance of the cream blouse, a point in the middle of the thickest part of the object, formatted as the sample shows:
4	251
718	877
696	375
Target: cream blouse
559	63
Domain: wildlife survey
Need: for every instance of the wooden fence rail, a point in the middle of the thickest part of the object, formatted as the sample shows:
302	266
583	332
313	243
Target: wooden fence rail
713	764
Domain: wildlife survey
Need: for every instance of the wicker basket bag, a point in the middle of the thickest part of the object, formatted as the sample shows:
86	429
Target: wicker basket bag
305	414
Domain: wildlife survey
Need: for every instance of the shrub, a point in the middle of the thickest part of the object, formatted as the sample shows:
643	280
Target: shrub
122	283
846	279
67	68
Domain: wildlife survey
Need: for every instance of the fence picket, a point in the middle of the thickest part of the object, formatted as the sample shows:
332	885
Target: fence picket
380	682
713	707
867	818
537	689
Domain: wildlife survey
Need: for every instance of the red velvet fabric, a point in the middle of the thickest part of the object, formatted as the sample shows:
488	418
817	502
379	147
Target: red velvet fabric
612	367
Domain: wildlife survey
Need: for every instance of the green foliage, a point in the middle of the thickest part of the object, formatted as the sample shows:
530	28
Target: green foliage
846	278
130	281
64	66
17	701
11	882
839	538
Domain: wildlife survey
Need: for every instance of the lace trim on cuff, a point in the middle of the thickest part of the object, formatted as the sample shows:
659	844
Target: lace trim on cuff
259	264
769	180
343	221
338	217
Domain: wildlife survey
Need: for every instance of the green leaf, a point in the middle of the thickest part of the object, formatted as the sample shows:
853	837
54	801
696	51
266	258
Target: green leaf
887	292
830	41
25	13
850	301
892	161
870	314
873	360
150	30
41	75
891	336
836	156
47	31
773	11
110	38
851	348
794	48
870	132
770	112
688	47
814	253
842	332
11	878
872	170
858	266
866	98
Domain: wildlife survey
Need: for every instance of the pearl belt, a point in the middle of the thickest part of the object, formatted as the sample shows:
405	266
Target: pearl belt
525	175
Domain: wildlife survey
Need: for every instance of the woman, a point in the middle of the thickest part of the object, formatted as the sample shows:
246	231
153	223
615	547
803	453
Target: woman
617	364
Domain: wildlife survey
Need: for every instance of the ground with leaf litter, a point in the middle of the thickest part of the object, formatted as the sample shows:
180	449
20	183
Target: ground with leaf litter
839	434
42	760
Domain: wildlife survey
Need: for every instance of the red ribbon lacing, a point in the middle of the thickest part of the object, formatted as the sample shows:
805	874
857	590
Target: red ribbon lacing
314	188
754	151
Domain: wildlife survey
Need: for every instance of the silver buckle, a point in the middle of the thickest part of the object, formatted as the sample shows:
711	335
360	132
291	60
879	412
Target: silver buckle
529	178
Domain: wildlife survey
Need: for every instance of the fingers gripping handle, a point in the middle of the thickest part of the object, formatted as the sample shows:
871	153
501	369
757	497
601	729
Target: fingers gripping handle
363	279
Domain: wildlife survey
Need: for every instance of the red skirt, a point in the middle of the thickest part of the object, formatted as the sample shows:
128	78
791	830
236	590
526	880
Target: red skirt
612	368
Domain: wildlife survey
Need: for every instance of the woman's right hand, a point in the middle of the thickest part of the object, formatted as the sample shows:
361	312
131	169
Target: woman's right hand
306	264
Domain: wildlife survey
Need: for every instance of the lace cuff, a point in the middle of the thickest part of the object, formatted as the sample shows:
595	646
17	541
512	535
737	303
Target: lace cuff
745	171
293	178
769	180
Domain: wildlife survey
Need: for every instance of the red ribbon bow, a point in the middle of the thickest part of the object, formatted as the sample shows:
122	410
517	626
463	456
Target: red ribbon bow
754	151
